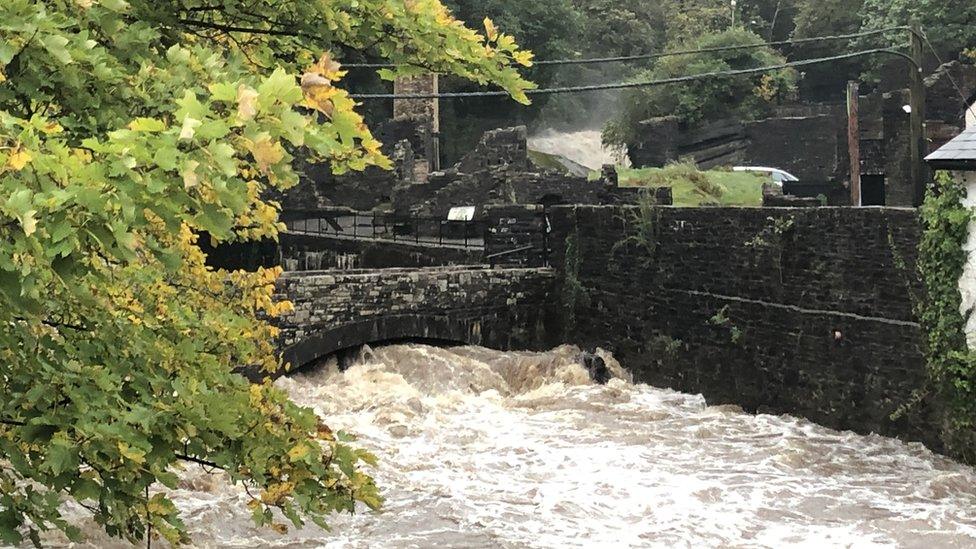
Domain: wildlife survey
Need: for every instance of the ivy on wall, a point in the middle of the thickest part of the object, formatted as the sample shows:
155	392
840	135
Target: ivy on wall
574	293
951	364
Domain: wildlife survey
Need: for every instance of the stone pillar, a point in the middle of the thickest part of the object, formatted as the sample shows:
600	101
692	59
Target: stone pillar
426	113
899	187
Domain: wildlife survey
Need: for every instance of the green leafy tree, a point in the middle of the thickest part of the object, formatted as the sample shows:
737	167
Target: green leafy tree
689	20
744	96
622	27
550	29
949	24
127	129
826	18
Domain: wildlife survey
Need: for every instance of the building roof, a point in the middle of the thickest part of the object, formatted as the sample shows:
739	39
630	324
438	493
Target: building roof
958	154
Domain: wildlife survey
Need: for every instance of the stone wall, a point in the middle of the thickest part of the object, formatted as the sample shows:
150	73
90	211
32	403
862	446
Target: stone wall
406	141
810	143
500	172
799	311
810	140
499	308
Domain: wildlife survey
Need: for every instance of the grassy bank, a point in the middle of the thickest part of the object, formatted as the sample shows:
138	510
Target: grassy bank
691	187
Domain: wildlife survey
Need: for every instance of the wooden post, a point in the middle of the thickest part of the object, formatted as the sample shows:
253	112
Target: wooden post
854	140
917	104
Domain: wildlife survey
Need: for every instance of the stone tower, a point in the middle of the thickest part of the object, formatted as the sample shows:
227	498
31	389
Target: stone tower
426	114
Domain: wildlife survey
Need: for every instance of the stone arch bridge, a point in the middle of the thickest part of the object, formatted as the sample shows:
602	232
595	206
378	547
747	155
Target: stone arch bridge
338	310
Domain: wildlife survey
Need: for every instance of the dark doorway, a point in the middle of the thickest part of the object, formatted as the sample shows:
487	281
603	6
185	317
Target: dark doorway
872	190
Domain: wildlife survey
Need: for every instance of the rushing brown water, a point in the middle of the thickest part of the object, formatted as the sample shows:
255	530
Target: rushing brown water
487	449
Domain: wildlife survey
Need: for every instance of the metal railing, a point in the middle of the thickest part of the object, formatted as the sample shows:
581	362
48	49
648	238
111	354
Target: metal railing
393	228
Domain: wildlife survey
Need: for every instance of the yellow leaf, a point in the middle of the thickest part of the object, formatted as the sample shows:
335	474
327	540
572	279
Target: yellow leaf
18	159
298	452
3	77
328	68
319	92
51	127
133	454
159	506
266	152
490	30
246	102
523	58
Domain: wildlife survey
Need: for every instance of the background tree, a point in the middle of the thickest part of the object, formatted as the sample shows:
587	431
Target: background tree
127	129
826	18
745	96
550	29
949	24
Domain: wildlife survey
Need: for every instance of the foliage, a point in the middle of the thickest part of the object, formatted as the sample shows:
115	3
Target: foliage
685	171
772	235
826	18
744	96
549	29
947	23
689	20
645	221
621	27
951	364
574	294
128	129
721	320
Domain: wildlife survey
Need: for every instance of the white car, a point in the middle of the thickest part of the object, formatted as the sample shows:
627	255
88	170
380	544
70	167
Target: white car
776	175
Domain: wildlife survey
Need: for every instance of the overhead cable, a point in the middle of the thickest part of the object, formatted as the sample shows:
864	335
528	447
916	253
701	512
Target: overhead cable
673	53
638	83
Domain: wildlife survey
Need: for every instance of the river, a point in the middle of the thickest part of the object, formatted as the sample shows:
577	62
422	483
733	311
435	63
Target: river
482	448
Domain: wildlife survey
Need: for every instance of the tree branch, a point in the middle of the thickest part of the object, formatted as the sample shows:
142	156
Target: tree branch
198	461
231	28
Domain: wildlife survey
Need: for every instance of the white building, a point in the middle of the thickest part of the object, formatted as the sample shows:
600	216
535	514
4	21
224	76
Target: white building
959	157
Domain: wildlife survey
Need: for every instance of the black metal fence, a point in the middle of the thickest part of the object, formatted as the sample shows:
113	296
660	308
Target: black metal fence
407	229
518	237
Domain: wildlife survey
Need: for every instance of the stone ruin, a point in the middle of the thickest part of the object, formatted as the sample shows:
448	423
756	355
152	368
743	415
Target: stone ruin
498	171
810	140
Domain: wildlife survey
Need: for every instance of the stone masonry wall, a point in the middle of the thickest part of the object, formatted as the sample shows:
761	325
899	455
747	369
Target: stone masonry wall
499	172
800	311
334	310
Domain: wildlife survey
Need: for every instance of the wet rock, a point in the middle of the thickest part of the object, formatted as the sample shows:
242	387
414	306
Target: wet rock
596	367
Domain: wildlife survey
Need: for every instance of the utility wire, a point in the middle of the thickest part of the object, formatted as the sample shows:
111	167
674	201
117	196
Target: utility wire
971	109
659	55
639	84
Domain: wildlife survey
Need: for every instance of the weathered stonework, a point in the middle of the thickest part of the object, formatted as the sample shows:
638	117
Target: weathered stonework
336	310
499	172
810	143
801	311
806	311
810	140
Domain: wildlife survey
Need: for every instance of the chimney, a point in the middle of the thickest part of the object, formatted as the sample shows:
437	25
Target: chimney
425	112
